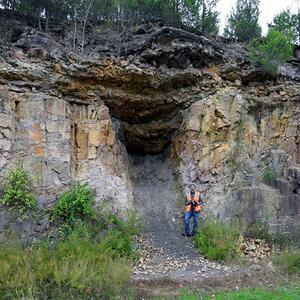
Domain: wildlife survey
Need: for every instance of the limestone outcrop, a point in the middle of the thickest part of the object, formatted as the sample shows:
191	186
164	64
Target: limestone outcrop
227	126
242	147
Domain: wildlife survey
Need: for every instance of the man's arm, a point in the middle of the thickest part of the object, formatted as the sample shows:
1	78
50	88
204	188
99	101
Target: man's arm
187	202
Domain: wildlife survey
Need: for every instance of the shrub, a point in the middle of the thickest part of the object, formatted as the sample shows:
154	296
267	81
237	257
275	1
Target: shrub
269	177
75	204
274	50
17	193
289	261
217	240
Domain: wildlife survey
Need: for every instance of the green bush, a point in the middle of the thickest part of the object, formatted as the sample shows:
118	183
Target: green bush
289	261
75	204
17	193
271	52
217	240
269	177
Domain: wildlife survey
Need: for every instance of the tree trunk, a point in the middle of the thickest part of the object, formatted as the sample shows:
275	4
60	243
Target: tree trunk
47	20
75	29
40	24
84	24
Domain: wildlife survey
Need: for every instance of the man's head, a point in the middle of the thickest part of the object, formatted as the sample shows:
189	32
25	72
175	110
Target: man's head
193	187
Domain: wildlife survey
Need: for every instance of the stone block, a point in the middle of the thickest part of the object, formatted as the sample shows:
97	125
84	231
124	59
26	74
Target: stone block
46	201
5	145
94	137
92	153
54	126
32	109
294	172
39	150
38	136
82	139
5	120
284	186
56	107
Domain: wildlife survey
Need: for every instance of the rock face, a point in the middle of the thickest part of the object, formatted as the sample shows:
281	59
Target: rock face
68	118
232	141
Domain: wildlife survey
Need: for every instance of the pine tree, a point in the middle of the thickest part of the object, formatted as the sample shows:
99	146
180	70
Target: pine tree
202	15
287	23
243	21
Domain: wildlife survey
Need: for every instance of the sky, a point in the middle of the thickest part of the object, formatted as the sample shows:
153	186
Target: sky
268	9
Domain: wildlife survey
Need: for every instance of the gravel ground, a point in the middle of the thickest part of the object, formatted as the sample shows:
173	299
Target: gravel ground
164	251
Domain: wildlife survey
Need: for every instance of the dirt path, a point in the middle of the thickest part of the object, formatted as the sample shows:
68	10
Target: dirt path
166	254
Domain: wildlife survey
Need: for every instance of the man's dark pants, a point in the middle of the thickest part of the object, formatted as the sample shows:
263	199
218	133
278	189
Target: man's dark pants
187	217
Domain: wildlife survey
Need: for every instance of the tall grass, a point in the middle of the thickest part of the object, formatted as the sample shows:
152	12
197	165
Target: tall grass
289	261
90	260
74	267
217	240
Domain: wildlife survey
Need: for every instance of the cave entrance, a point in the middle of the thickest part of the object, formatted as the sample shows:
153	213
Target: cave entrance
158	200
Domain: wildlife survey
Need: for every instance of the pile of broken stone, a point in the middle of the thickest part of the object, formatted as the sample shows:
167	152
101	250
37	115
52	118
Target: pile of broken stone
254	249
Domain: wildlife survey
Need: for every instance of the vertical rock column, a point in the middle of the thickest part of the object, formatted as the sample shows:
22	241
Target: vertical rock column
98	157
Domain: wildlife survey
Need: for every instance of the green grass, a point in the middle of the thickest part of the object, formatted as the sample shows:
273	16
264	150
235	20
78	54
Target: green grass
289	261
73	268
280	294
217	240
88	261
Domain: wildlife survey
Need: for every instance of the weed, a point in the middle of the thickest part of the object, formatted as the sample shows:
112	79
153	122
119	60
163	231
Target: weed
289	261
217	240
18	193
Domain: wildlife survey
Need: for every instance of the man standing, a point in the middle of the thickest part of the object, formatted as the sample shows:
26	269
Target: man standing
193	205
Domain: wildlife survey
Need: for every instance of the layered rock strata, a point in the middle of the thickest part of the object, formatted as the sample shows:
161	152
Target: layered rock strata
228	127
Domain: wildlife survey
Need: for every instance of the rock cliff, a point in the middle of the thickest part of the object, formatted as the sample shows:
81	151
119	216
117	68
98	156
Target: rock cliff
223	123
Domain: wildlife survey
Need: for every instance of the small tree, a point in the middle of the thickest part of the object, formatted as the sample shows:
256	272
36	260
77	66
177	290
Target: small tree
243	21
274	50
18	192
287	23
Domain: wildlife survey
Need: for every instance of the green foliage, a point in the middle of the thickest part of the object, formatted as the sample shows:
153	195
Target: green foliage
75	204
289	261
242	24
201	14
197	14
217	240
91	261
120	238
287	23
74	269
17	193
259	230
272	51
269	176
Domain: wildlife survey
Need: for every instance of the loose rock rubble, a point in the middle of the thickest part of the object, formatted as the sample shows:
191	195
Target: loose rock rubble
155	260
254	249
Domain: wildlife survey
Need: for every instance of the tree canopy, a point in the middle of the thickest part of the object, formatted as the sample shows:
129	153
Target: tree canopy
242	23
288	24
197	14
